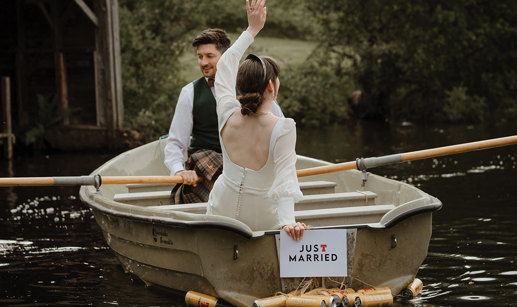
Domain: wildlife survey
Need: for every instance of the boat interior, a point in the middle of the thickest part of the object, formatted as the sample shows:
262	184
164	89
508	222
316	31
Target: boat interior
346	199
320	206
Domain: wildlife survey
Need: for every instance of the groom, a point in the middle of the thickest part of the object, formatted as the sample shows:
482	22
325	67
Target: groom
195	120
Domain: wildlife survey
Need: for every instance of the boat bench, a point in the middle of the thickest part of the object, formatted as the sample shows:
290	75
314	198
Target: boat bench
343	216
336	200
314	217
309	187
159	194
309	202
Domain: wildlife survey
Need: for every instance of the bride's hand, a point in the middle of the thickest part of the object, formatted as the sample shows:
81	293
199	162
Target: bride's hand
256	15
295	230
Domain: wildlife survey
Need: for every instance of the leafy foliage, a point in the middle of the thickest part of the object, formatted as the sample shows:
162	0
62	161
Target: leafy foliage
315	93
415	60
285	18
426	60
155	33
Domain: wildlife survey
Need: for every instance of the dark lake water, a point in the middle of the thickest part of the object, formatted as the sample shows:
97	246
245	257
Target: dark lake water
53	253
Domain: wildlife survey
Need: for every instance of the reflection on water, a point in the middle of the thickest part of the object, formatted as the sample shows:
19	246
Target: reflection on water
52	252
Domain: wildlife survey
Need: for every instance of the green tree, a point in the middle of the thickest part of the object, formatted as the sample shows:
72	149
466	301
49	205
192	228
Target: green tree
153	35
426	59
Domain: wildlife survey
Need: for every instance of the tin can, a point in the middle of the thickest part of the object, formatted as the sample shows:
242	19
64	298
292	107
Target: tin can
326	298
349	299
315	291
412	289
197	299
374	300
273	301
380	290
306	301
335	298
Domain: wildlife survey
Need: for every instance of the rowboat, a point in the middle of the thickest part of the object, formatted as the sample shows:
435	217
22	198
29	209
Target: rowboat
388	225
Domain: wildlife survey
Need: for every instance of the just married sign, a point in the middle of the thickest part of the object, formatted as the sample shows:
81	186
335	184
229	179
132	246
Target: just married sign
321	252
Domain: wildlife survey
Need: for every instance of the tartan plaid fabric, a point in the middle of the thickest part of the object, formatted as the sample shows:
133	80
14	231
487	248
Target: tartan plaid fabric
208	165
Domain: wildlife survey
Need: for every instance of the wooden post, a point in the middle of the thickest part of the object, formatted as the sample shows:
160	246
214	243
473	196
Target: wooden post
59	59
22	109
99	66
6	120
87	11
117	71
113	64
63	85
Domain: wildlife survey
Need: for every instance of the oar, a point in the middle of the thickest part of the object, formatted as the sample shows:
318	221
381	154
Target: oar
96	180
368	163
360	164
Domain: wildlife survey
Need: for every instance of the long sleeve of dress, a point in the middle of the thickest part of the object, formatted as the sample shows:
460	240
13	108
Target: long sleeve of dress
226	77
285	187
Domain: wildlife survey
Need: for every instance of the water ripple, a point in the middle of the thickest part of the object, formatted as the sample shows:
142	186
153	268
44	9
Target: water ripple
57	250
474	298
482	279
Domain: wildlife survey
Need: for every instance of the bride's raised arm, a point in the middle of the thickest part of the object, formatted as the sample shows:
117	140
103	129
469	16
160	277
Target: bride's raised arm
228	65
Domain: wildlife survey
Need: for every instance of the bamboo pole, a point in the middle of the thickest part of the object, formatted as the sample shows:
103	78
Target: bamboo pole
361	164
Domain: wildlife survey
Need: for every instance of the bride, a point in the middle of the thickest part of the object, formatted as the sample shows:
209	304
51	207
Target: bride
258	185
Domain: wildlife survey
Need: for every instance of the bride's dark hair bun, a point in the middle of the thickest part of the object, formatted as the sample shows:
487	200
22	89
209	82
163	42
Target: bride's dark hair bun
252	80
250	102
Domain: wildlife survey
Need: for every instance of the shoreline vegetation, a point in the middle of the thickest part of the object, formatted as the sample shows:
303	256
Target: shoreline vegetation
341	60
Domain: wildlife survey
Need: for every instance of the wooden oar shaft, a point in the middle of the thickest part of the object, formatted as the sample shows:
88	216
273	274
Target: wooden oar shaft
368	163
326	169
141	179
361	164
460	148
30	181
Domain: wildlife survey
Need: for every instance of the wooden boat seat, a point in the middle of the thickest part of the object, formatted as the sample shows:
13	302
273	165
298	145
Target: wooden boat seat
159	194
309	202
336	200
199	208
145	187
152	198
308	188
343	216
316	217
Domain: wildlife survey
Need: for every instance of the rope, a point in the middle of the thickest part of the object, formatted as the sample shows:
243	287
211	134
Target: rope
369	285
365	196
341	283
304	285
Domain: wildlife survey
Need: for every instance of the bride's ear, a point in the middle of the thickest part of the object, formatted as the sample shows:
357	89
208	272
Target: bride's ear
270	86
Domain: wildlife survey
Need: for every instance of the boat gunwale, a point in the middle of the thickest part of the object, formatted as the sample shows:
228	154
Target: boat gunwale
435	205
171	222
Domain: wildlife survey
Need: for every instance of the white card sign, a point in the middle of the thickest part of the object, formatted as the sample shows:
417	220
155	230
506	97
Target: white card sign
321	252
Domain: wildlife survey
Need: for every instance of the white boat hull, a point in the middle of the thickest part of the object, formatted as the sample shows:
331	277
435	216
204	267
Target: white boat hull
222	257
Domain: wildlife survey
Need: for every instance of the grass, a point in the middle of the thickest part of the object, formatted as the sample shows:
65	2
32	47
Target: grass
287	52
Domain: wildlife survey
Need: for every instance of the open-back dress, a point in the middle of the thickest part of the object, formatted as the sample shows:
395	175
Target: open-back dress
263	199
